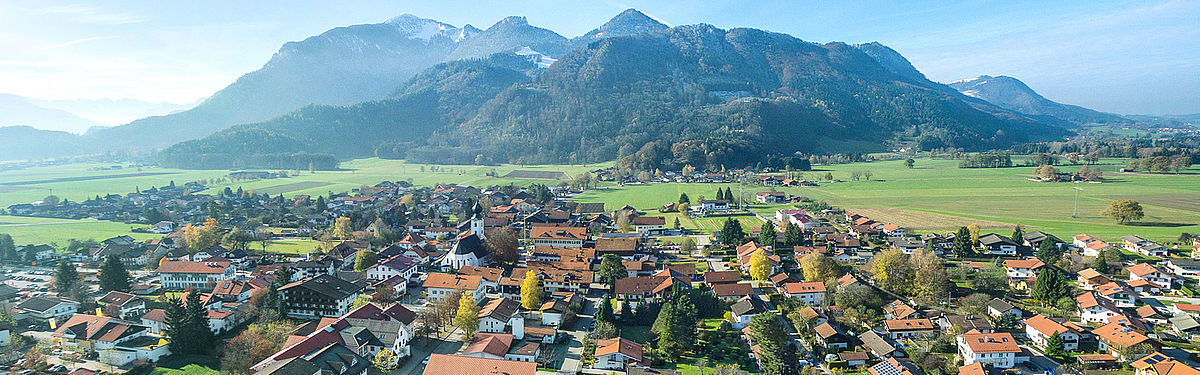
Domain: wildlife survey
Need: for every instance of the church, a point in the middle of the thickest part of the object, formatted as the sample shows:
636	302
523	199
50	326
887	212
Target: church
470	249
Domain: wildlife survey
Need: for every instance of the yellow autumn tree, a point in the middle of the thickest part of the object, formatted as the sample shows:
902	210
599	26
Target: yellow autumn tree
974	229
200	237
467	318
531	292
760	266
385	361
342	229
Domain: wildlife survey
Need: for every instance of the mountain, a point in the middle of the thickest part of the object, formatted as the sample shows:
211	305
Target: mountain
342	66
693	94
17	110
1011	93
114	111
629	22
25	142
508	35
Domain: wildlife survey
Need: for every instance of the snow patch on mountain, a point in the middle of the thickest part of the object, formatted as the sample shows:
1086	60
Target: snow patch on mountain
539	58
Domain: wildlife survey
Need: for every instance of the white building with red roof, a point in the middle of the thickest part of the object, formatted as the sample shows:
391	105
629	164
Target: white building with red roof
180	275
365	331
616	353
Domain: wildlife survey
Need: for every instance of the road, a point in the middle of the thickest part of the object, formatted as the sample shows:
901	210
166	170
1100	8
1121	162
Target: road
571	361
449	343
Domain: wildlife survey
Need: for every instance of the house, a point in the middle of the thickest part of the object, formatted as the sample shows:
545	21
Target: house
853	359
899	310
1034	239
649	224
1145	271
334	358
617	353
903	328
999	308
998	350
770	197
321	296
365	331
733	292
396	266
1039	329
635	290
1149	314
490	345
45	308
1118	294
123	305
181	275
1189	268
558	236
907	245
312	267
1159	364
880	346
117	342
233	290
1186	327
796	216
441	285
1089	279
1095	310
1116	337
1023	268
831	337
501	315
746	308
1143	246
995	244
712	278
624	247
444	364
893	366
809	293
553	311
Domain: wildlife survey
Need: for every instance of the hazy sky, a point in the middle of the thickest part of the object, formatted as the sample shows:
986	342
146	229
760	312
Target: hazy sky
1117	56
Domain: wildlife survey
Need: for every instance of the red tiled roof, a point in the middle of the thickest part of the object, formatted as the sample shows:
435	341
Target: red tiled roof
443	364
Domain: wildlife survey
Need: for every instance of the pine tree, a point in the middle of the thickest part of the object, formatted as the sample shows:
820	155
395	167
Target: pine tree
605	312
113	275
793	236
611	269
197	325
766	235
176	328
732	233
720	194
1018	234
1055	346
1049	252
962	243
683	198
8	249
1050	286
65	277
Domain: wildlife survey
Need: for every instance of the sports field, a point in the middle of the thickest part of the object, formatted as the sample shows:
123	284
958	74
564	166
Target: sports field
936	195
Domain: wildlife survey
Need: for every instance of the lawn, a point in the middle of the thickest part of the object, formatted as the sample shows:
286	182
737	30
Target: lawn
936	195
187	365
34	230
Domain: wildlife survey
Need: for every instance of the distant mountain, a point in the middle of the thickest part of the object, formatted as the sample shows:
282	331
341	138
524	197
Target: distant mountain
1011	93
686	95
18	110
510	34
629	22
114	111
24	142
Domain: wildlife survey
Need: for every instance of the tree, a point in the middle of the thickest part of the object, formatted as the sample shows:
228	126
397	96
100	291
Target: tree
624	223
676	226
531	291
930	281
909	163
973	229
767	234
817	267
66	278
793	236
113	275
1050	286
975	303
991	280
605	312
320	205
675	325
892	271
200	237
365	259
732	233
1055	346
1124	211
687	246
503	244
611	269
962	243
8	249
683	198
1046	172
254	344
467	318
767	330
760	266
720	194
1018	234
688	170
859	295
187	325
341	228
1049	252
1099	264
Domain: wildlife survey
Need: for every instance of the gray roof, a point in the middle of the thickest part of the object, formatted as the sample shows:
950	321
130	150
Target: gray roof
749	305
995	239
877	344
40	304
1000	305
326	285
1184	322
470	244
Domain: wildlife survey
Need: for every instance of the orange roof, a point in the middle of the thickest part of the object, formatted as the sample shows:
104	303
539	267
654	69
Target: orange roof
1143	269
556	232
619	345
489	274
450	281
918	324
806	287
443	364
1031	263
1115	334
972	369
1001	342
1046	325
183	266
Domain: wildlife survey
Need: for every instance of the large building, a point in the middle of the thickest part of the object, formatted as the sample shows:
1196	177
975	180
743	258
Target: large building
444	364
468	251
365	332
997	350
322	296
180	275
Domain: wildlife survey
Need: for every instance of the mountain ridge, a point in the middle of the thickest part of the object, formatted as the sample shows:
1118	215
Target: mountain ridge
1013	94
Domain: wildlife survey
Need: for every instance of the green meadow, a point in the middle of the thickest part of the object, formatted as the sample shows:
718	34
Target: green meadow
935	195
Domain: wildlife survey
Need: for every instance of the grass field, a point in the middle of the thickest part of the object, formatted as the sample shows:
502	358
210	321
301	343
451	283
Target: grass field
936	195
35	230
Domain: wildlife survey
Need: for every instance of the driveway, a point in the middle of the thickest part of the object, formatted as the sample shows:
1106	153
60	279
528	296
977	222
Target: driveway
571	361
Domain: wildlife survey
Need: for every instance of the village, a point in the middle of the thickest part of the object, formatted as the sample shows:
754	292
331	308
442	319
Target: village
455	279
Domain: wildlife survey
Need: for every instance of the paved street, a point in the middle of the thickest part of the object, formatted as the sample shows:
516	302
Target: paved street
450	343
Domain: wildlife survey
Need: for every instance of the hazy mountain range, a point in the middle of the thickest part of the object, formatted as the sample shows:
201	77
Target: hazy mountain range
78	115
422	89
1011	93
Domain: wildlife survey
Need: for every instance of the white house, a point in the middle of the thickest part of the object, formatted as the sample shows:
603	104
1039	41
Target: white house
468	251
1039	329
746	308
809	293
1023	268
1095	310
180	275
440	285
398	265
998	350
501	315
1145	271
770	197
616	353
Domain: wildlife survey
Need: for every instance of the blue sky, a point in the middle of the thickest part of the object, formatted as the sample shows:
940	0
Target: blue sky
1117	56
